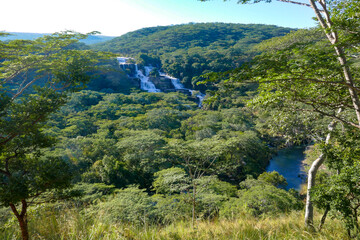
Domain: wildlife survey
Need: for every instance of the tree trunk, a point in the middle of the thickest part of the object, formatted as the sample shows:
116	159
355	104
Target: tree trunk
350	82
193	205
22	219
309	209
327	25
324	218
24	228
325	22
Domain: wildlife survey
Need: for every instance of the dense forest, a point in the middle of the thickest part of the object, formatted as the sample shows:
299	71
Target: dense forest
86	154
190	50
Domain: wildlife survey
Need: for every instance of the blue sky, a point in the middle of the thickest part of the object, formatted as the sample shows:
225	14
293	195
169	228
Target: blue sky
116	17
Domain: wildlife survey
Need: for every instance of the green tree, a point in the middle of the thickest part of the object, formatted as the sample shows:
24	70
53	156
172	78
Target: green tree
131	204
211	193
338	193
261	198
320	76
197	158
274	178
140	153
34	79
171	180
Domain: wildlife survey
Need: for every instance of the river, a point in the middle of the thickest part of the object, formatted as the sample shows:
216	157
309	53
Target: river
288	162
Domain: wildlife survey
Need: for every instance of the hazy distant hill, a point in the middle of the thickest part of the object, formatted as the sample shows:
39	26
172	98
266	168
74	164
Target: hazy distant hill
32	36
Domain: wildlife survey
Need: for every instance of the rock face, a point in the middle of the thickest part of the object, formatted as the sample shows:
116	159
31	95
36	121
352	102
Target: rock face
128	66
163	83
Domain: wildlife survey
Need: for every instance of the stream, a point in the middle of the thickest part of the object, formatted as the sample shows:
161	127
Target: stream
288	162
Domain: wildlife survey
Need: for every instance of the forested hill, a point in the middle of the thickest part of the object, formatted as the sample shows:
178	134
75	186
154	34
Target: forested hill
191	50
211	35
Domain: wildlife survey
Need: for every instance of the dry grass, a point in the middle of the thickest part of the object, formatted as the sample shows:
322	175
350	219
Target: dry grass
71	225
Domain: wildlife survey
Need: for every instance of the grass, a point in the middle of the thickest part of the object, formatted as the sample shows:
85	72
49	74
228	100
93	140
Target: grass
71	224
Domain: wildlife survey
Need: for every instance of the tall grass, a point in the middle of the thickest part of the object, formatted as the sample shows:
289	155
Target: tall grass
70	224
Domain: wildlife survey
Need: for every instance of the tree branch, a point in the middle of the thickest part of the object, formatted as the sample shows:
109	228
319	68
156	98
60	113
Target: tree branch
294	2
336	118
23	208
5	173
20	91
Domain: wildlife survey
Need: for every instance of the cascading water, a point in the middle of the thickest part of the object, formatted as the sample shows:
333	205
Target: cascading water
199	95
176	82
178	85
145	83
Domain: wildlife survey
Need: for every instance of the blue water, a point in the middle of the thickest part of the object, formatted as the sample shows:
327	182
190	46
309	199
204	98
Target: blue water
288	162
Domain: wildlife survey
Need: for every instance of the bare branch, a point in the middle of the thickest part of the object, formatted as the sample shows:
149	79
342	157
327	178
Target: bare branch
24	88
294	2
63	87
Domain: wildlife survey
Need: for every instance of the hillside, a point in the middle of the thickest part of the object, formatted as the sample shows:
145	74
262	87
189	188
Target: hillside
165	39
187	51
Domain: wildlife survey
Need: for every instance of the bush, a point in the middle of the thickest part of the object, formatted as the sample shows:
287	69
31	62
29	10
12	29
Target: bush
274	178
260	199
171	209
171	180
132	205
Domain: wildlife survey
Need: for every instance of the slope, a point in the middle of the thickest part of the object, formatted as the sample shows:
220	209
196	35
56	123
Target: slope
189	50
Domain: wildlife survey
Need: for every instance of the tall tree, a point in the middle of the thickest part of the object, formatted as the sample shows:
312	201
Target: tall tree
35	77
198	158
340	21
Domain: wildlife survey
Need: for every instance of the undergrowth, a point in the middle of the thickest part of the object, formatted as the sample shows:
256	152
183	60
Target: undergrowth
70	224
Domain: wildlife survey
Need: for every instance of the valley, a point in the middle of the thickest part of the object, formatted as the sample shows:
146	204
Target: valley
189	131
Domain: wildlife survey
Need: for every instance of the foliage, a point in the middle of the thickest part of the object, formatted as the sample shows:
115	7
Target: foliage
91	193
274	178
339	191
191	156
211	184
260	198
129	205
190	50
124	139
171	180
35	77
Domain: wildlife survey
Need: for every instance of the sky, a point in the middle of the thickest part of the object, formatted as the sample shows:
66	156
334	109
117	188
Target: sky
117	17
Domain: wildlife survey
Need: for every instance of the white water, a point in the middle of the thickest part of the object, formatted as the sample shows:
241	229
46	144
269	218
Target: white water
199	95
145	83
122	60
176	82
178	85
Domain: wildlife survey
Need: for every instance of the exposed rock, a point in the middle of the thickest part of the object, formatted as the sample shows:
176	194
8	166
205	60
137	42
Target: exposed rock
162	83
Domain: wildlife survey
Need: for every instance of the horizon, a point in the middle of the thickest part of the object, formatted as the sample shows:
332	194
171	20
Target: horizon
117	17
48	33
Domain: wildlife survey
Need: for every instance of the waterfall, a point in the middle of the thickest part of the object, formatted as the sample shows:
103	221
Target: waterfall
122	60
178	85
199	95
176	82
145	83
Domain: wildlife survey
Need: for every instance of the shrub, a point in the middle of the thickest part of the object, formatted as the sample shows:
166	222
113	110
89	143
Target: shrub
259	200
132	205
